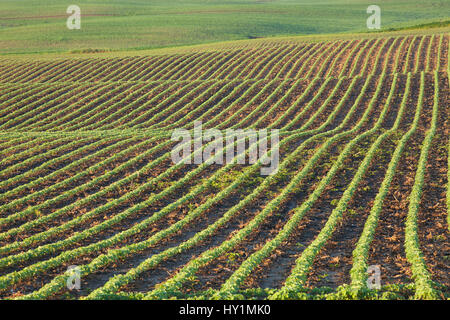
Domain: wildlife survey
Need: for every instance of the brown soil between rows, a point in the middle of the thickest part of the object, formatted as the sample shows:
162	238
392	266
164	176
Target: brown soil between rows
387	248
274	270
332	265
151	280
432	218
216	272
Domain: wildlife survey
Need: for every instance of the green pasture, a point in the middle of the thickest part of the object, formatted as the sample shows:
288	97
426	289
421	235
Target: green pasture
28	26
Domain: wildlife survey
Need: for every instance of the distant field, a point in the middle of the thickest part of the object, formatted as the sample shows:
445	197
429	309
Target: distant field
39	26
86	177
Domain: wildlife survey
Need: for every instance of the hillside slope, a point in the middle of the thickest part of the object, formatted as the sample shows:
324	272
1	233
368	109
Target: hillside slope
87	178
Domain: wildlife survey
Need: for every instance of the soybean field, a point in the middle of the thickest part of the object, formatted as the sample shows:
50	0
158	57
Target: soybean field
87	179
